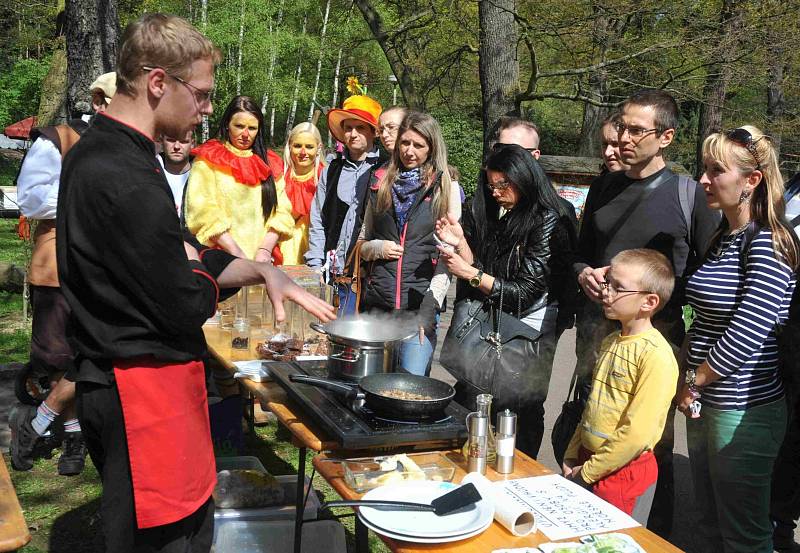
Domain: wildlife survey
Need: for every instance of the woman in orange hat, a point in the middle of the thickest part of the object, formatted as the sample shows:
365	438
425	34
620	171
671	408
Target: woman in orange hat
406	198
233	200
304	160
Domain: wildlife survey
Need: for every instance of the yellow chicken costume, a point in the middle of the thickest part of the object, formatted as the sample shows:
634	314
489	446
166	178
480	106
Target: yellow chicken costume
224	195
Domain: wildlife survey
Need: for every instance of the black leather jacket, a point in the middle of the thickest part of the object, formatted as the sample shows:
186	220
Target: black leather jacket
532	271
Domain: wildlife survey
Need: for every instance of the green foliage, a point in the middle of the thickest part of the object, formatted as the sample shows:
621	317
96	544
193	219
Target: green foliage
20	86
464	138
12	249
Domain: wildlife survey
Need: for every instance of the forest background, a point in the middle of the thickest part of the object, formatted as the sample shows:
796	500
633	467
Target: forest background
562	64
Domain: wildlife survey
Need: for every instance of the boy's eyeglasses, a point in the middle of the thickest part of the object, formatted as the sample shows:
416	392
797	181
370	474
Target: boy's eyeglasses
200	95
743	138
614	291
633	132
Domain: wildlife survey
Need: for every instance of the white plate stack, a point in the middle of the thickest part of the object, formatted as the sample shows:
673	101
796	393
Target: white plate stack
423	526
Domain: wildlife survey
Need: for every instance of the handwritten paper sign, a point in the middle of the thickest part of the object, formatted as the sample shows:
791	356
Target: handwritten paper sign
562	509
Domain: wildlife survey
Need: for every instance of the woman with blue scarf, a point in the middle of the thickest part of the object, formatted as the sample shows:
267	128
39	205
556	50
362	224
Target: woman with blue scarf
407	196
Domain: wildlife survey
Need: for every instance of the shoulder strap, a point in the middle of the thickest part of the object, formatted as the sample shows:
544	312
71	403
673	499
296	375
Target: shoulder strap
67	137
744	250
652	185
686	197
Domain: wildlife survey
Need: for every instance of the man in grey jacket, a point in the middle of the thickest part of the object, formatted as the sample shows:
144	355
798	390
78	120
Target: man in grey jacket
338	207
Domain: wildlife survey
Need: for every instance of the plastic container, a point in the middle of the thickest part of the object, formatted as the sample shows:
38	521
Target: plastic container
278	537
365	474
277	512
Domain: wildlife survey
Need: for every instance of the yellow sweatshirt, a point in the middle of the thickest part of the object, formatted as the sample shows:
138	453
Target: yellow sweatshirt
216	203
632	388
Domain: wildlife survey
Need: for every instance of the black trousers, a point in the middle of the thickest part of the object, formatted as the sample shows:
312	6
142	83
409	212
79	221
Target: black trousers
785	501
100	415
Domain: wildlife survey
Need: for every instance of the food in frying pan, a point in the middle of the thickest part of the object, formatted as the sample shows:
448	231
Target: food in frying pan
402	394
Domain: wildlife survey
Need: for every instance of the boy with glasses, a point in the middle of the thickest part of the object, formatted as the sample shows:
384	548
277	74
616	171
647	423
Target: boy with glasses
633	383
645	206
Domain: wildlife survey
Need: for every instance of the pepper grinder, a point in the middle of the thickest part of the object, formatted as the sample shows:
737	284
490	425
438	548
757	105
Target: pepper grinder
506	440
478	434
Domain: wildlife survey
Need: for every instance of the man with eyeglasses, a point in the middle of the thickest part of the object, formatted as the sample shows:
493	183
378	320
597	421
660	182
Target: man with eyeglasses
140	291
645	206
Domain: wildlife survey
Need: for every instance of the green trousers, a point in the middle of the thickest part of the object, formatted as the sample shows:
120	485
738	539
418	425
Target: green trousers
731	455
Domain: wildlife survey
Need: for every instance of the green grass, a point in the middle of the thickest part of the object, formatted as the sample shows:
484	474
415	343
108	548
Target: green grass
12	249
63	513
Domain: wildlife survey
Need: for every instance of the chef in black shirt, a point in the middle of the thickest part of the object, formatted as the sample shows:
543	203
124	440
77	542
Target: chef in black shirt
140	294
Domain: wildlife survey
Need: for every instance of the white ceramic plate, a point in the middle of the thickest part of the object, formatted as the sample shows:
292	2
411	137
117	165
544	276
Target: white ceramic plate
416	539
422	524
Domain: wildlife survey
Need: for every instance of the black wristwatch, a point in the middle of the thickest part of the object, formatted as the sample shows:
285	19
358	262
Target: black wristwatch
476	280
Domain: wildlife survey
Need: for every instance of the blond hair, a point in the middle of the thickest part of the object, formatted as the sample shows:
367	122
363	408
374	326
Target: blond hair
319	159
161	40
436	164
657	275
767	207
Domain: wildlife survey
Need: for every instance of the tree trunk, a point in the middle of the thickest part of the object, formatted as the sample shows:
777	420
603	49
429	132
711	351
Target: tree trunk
271	71
776	103
241	47
411	96
53	99
92	32
319	59
718	77
203	23
498	63
298	72
335	89
605	31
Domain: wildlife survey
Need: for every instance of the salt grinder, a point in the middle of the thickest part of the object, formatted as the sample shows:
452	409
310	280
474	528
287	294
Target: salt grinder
478	437
505	439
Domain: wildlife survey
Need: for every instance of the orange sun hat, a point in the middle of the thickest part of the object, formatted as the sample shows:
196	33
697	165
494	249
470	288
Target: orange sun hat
359	107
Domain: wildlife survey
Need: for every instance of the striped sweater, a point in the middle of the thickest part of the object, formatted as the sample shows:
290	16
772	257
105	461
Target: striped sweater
736	315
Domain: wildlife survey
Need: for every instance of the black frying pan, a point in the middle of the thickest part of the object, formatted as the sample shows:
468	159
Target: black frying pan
372	389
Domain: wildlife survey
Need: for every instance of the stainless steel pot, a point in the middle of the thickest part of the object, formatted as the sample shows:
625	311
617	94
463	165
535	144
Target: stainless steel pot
364	345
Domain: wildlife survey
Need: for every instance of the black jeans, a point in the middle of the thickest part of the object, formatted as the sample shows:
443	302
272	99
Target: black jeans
785	502
102	424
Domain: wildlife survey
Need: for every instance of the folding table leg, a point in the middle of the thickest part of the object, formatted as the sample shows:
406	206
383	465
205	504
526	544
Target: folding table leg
362	537
300	499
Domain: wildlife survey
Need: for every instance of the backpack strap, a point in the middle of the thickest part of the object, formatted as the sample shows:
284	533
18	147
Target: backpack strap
749	233
686	188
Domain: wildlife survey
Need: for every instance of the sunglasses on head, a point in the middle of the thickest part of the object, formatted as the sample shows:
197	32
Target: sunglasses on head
497	146
743	138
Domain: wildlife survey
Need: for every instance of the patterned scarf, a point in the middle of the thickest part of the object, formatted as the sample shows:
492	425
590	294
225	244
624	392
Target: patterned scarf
404	191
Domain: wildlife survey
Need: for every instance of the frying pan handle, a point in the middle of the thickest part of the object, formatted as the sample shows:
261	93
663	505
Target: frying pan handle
319	328
349	390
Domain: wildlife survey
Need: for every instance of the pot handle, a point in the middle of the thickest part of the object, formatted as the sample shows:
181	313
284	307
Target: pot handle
319	328
349	390
355	356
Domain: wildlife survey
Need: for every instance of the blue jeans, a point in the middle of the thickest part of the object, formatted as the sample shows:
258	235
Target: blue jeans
415	358
731	455
347	300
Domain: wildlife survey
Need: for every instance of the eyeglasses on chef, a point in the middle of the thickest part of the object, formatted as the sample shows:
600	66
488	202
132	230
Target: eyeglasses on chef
633	131
200	95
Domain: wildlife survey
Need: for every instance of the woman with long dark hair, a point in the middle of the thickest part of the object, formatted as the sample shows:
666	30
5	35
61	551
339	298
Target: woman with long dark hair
232	199
734	396
406	198
516	244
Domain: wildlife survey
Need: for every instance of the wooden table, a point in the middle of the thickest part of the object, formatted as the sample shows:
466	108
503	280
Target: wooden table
495	537
305	436
13	528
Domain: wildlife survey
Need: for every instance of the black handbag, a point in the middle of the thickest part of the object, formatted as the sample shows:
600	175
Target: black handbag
567	421
491	351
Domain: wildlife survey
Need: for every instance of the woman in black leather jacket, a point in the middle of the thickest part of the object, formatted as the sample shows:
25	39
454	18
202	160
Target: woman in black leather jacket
519	238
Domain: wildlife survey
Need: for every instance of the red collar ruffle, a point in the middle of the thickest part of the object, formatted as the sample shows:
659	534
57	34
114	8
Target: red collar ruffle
251	170
301	192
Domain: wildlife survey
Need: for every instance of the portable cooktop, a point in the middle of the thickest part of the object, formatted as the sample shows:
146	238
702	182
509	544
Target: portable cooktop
362	429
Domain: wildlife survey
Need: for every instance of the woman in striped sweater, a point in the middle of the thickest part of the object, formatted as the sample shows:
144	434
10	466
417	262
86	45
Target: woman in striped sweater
740	295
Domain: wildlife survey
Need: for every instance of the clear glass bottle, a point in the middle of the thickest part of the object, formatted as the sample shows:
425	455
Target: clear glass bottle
483	405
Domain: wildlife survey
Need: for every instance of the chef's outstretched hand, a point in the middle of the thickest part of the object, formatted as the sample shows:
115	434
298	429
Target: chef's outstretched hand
280	287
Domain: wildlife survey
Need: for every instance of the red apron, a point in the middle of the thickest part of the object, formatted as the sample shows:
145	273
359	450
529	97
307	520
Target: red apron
169	438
